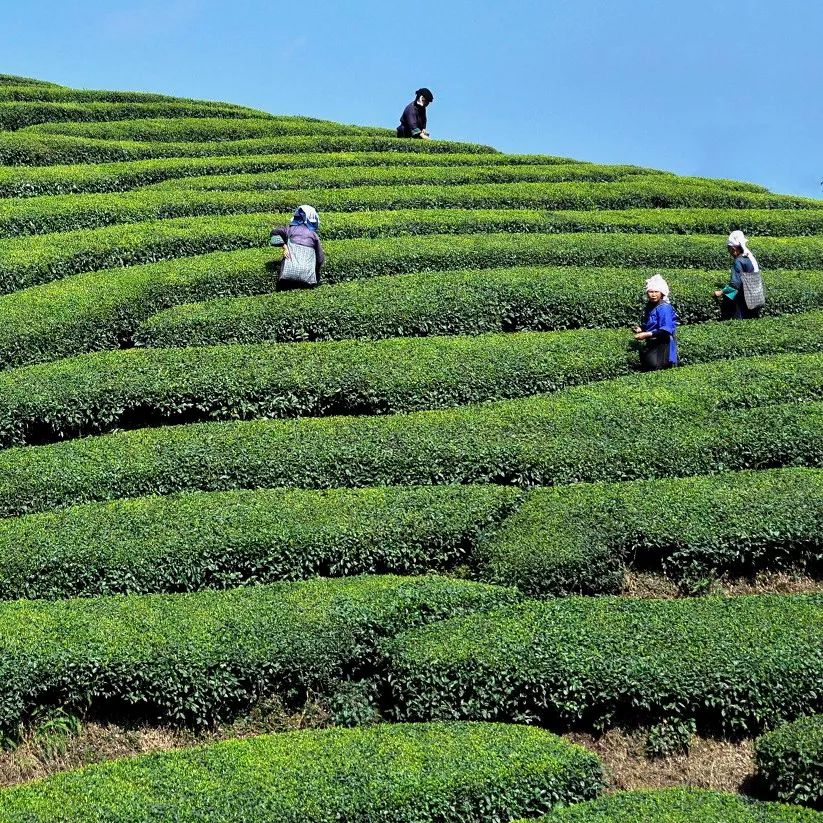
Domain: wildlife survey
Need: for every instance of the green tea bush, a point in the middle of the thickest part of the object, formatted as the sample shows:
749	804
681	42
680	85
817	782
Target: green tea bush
591	188
347	178
30	181
27	261
40	215
102	310
200	658
454	302
49	93
790	761
16	80
580	538
222	539
596	172
202	129
100	391
37	149
421	773
678	806
748	413
757	222
733	665
15	116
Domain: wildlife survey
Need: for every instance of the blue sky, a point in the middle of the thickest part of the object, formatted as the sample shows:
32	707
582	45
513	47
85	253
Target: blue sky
723	89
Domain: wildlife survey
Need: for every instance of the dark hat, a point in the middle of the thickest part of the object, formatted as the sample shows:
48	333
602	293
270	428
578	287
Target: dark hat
426	93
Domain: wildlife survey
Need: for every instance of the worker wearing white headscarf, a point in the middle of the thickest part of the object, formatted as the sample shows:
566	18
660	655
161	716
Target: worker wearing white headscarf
657	332
743	295
300	239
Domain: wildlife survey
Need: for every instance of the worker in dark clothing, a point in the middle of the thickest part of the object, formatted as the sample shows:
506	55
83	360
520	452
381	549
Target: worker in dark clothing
413	119
743	296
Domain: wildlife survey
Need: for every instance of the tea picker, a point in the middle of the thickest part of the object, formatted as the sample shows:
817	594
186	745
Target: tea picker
413	120
303	254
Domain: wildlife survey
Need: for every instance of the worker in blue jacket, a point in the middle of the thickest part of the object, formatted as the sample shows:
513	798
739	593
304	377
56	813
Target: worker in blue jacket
658	328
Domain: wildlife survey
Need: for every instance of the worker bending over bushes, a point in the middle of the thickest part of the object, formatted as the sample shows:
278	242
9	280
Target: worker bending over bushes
413	120
303	254
743	296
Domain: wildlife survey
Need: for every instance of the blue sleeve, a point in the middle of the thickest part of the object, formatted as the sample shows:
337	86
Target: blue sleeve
666	318
661	322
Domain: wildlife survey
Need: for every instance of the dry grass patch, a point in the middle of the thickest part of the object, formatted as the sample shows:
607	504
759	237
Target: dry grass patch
651	584
709	764
43	752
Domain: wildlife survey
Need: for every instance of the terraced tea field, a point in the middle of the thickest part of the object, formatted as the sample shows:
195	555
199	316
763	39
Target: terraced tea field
415	502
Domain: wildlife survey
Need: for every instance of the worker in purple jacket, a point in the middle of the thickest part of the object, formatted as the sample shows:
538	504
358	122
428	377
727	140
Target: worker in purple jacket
303	254
413	119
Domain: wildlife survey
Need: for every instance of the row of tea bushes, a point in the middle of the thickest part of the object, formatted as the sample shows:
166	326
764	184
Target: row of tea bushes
36	149
48	93
454	302
349	177
31	181
16	80
28	261
597	172
580	538
636	189
15	115
774	222
574	539
421	773
102	310
562	172
790	761
97	392
678	806
729	665
63	213
203	540
39	215
204	657
748	413
202	129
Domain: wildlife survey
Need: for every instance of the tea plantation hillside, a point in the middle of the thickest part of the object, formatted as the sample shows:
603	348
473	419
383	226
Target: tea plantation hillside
421	499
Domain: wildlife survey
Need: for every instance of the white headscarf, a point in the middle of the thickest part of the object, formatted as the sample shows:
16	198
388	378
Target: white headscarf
657	283
737	238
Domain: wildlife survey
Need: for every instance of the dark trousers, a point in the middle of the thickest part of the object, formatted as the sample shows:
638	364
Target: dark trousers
655	355
291	285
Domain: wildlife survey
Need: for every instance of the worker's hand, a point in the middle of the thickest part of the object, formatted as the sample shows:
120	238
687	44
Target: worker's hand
424	135
637	329
286	253
718	293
